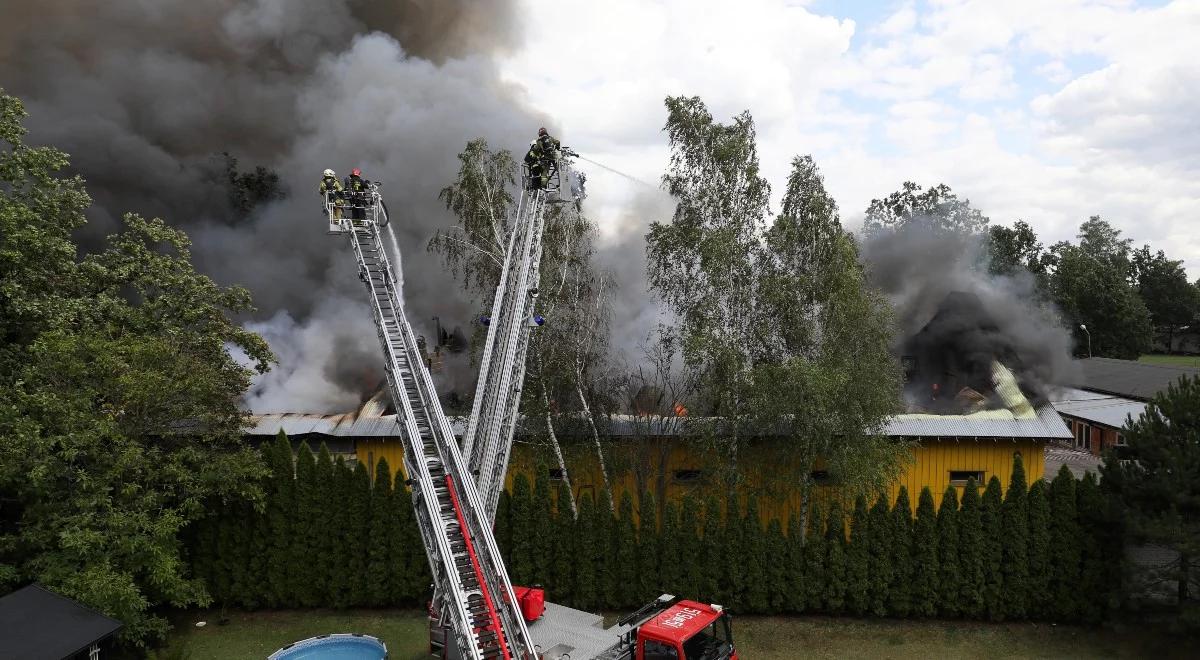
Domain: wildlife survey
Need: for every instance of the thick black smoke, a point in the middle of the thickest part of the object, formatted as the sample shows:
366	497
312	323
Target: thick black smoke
951	309
144	95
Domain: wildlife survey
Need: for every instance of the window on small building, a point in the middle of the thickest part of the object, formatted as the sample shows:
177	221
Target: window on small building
556	474
1082	435
1121	441
687	476
960	477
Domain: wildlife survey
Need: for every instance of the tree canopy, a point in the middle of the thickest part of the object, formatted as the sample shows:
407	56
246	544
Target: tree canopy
761	301
120	414
1163	286
938	210
1091	284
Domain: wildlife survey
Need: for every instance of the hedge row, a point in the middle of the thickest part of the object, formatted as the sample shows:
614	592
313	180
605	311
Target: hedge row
328	538
325	538
1025	553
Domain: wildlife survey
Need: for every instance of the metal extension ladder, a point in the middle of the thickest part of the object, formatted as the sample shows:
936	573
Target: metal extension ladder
474	591
489	437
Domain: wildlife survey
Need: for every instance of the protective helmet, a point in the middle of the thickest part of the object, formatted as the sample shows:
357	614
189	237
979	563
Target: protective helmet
541	131
329	172
356	172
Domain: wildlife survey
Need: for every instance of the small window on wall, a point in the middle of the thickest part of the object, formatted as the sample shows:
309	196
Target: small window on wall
556	474
960	477
1121	441
687	476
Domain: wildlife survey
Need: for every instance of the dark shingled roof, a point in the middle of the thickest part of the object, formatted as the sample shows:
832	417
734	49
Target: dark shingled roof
36	624
1135	380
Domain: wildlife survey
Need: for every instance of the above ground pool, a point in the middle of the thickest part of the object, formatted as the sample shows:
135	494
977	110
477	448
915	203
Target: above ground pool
341	646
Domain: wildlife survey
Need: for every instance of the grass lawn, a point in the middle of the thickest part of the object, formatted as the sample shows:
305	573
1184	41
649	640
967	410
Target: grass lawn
256	635
1172	360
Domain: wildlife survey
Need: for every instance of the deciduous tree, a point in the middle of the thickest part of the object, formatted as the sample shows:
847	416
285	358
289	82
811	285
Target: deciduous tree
937	210
120	418
1163	285
1092	286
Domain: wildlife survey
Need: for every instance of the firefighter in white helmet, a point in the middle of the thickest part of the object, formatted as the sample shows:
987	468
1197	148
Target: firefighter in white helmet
331	191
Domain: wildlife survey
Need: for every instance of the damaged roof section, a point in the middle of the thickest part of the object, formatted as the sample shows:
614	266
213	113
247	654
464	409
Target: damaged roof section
1043	423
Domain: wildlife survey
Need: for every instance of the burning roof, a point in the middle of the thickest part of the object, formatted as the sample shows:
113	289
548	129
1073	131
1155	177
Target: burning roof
959	363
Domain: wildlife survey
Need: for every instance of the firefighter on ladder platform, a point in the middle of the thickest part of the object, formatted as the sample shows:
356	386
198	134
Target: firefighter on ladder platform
331	191
358	193
541	159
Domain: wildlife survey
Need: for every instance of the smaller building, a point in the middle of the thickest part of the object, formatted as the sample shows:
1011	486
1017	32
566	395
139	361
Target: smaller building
38	624
1096	420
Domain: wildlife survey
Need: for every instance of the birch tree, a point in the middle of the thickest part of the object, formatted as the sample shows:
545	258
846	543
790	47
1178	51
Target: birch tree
563	353
774	317
702	262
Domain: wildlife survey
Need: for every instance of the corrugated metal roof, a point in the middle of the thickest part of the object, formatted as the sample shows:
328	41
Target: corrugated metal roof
1136	380
345	425
995	423
1045	423
1105	409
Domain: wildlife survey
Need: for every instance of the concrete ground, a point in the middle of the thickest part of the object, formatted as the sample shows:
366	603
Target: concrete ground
1077	461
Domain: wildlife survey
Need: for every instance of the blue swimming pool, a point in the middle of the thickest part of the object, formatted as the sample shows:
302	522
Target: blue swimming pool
341	646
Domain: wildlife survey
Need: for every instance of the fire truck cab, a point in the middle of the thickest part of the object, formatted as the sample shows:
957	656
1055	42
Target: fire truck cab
687	630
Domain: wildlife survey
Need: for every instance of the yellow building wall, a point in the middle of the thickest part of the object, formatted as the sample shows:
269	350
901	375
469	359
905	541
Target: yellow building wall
373	449
932	461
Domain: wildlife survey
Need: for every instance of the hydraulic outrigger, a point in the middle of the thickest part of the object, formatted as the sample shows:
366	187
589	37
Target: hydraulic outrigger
475	612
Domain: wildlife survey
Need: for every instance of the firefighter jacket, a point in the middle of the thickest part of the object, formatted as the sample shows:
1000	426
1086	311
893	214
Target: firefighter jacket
535	154
330	184
356	184
549	145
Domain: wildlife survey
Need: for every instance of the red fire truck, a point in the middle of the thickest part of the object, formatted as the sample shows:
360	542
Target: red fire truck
665	629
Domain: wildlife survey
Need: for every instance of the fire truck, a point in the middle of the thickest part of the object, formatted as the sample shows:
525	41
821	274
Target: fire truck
476	612
667	628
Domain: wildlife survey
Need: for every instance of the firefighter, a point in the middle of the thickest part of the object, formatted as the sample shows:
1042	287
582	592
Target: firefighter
358	192
540	158
331	191
550	144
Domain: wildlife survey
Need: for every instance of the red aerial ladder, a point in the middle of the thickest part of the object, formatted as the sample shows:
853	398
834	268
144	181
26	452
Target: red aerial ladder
476	613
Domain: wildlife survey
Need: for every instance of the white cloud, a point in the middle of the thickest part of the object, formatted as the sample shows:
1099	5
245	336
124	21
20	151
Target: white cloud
989	97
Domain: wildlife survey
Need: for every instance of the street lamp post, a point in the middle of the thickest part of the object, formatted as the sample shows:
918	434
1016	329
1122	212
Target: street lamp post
1089	338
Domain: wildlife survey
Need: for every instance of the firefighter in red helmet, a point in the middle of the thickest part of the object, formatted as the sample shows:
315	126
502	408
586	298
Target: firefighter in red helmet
359	193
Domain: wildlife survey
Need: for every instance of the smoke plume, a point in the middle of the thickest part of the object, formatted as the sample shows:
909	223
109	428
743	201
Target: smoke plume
143	95
621	252
946	300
